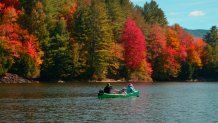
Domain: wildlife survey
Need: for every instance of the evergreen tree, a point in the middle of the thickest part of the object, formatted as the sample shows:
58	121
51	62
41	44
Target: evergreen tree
101	41
51	11
58	59
212	37
153	14
81	45
210	68
127	8
117	17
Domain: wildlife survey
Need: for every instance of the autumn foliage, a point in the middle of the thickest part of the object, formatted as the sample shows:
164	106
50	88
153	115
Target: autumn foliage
15	38
99	40
134	44
156	40
135	48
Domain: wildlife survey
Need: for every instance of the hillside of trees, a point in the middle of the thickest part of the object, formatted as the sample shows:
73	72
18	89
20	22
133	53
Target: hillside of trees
200	33
100	39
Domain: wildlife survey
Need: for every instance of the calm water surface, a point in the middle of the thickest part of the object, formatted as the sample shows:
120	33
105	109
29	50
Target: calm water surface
77	102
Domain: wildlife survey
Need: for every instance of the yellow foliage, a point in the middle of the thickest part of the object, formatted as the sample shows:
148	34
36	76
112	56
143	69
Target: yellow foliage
194	57
172	39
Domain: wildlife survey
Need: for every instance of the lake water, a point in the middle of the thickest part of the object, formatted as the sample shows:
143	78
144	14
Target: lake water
78	102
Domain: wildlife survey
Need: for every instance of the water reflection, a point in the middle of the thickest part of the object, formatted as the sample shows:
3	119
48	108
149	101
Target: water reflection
78	102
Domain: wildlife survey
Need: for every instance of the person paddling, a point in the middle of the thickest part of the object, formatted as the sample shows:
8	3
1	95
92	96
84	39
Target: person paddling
108	88
130	88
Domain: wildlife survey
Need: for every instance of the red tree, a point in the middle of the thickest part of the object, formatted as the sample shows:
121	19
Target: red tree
171	64
135	47
186	40
1	6
16	39
156	42
200	45
134	44
171	55
13	3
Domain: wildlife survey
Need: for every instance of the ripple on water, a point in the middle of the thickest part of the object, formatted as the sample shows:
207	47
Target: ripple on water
168	102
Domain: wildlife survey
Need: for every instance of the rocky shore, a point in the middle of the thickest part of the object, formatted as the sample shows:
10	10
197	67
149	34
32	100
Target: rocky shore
13	79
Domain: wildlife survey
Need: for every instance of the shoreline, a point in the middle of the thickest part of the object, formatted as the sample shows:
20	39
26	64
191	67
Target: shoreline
10	78
119	82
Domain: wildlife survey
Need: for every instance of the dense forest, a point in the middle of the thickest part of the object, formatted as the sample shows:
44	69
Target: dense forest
100	39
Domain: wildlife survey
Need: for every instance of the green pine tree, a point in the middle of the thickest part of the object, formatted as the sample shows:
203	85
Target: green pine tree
117	17
127	8
210	61
153	14
212	36
38	25
101	39
58	59
82	34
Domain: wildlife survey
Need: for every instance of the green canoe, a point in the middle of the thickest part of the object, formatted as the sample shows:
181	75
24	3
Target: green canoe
106	95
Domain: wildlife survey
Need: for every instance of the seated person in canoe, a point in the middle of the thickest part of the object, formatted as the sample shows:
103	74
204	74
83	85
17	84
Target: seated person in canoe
130	88
108	88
